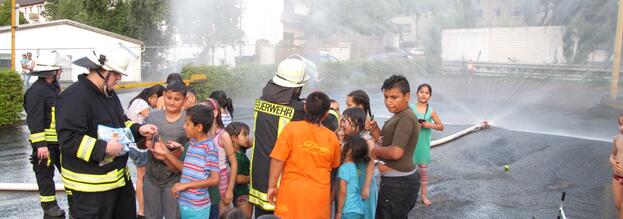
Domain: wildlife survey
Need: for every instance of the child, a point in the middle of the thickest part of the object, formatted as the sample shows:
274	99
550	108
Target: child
309	148
227	106
239	133
226	154
171	79
140	106
163	163
200	165
426	115
137	112
234	213
353	123
350	203
360	99
617	169
191	97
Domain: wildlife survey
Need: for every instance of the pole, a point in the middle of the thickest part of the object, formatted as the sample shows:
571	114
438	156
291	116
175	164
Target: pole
616	63
13	25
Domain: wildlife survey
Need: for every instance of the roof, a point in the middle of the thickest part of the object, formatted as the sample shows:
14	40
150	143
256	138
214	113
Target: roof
75	24
29	2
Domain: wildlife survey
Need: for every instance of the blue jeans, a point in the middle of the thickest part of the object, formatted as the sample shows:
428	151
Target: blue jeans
192	213
26	78
397	196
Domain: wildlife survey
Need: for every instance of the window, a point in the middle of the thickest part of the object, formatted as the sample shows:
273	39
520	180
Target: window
288	36
288	6
516	12
497	12
479	13
405	28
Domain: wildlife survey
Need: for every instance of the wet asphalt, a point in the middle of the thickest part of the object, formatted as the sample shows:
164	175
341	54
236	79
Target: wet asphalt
467	179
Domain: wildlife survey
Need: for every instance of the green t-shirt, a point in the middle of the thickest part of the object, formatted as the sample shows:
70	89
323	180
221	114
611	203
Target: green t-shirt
243	169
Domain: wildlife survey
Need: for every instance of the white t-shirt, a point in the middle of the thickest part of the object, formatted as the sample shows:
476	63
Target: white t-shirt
226	118
135	109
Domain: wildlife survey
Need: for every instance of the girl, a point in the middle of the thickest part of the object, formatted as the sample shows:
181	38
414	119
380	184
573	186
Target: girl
360	99
140	106
353	123
350	203
226	153
227	106
138	111
239	133
191	97
428	119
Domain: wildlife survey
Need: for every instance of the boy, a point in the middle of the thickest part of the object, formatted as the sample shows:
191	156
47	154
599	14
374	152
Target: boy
617	168
239	133
163	163
200	169
304	155
400	181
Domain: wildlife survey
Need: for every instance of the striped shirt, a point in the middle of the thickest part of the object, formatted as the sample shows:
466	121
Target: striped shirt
201	158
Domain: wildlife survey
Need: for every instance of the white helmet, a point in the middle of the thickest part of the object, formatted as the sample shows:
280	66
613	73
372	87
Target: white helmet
117	59
294	71
48	62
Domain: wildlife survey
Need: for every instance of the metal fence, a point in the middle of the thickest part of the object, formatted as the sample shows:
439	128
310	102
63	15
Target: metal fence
536	71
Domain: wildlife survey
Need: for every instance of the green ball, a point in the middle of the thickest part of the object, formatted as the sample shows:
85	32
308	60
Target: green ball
506	167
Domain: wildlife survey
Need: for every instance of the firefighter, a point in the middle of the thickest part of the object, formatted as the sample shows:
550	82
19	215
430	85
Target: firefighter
280	103
93	168
39	104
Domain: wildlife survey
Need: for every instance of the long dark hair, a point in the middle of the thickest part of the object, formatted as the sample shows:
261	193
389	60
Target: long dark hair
360	97
358	148
148	92
356	117
225	102
174	78
213	104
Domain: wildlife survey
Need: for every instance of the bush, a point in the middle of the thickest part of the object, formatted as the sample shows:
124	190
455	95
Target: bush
236	82
11	97
250	79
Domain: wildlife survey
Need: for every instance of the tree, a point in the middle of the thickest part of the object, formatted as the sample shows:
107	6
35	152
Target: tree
537	12
590	25
145	20
365	17
5	14
109	15
207	24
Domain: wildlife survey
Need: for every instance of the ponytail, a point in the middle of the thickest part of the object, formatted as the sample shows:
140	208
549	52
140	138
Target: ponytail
222	99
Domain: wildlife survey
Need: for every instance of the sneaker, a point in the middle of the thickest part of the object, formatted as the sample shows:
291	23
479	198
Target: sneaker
54	211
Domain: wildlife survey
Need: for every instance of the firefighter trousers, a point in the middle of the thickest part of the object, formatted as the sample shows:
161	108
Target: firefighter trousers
44	172
116	203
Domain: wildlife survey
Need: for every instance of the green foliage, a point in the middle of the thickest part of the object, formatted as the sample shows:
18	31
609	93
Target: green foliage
236	82
139	19
5	14
11	97
240	82
208	24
